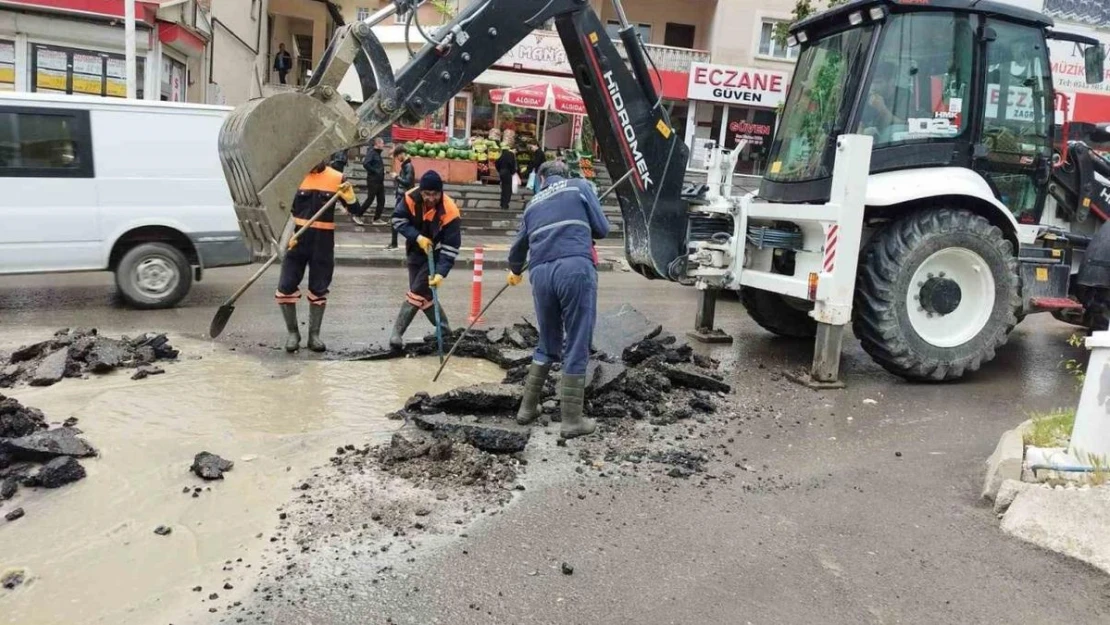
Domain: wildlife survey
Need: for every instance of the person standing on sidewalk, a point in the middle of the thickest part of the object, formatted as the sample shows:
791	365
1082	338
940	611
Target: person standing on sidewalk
431	224
283	62
375	178
539	157
403	182
506	169
556	238
315	251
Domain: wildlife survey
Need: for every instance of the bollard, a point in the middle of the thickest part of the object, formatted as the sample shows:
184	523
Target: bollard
476	287
1090	439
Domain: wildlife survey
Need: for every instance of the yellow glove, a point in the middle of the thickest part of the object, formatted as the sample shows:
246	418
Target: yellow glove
347	193
514	279
435	281
425	244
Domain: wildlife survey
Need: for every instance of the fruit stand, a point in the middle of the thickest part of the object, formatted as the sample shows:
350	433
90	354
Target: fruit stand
456	165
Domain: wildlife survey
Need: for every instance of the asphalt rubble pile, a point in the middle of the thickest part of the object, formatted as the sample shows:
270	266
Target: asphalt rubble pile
77	353
34	455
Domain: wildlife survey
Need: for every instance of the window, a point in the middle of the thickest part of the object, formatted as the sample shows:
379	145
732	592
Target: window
362	13
66	70
173	85
770	46
7	65
45	143
612	27
919	79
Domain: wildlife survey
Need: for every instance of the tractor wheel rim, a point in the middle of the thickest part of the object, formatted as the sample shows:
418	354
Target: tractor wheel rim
156	276
951	297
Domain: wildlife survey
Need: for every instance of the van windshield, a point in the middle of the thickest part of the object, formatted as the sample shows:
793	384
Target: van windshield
816	109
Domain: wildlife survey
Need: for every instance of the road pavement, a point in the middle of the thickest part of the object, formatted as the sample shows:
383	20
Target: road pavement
854	506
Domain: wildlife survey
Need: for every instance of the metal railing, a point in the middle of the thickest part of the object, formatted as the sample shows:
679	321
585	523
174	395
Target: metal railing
669	58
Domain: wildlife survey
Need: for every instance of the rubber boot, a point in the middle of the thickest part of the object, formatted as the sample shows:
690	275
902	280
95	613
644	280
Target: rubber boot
404	320
533	390
315	318
293	339
573	398
431	314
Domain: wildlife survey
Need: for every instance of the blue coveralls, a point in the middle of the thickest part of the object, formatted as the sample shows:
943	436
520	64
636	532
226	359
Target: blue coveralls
556	237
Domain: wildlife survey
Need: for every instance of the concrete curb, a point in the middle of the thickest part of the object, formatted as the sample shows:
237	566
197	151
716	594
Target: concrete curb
1006	461
396	260
1071	522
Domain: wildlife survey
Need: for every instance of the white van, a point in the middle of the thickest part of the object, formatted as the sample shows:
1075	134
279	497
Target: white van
100	184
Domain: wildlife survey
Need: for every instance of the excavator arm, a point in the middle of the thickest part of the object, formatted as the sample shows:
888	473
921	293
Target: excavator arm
267	145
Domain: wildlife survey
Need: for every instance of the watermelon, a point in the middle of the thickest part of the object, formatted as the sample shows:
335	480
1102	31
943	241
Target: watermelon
442	154
452	153
419	144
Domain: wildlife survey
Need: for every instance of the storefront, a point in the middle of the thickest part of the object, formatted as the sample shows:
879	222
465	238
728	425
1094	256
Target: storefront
733	107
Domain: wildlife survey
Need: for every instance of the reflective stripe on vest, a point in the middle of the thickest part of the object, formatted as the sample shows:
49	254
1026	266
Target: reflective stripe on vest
317	225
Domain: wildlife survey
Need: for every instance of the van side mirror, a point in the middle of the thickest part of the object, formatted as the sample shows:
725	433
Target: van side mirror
1094	60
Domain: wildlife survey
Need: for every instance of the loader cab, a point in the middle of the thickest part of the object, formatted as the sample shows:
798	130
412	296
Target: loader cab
935	83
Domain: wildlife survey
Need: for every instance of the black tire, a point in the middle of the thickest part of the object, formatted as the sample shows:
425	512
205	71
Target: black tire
775	313
881	319
154	275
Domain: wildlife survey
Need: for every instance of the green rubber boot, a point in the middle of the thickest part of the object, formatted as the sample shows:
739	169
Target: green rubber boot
573	398
404	320
293	339
315	318
430	313
533	389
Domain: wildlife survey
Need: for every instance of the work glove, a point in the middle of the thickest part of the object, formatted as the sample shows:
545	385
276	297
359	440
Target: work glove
514	279
435	281
347	193
425	244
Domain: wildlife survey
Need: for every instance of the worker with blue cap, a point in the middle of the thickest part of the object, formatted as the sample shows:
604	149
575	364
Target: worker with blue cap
556	239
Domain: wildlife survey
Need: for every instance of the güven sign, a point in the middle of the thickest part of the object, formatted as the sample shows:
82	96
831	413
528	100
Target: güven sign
737	85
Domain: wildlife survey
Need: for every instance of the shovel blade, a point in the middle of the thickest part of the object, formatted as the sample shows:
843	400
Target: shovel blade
267	146
219	320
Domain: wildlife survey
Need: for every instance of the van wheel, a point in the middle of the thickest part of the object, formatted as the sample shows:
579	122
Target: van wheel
782	315
154	275
936	295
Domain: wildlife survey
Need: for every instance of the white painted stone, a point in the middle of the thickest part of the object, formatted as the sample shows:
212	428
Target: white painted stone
1005	463
1071	522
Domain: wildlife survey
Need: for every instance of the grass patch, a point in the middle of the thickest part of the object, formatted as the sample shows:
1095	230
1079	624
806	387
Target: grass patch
1052	429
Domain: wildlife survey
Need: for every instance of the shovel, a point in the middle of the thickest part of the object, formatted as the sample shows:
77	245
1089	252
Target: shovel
223	315
435	307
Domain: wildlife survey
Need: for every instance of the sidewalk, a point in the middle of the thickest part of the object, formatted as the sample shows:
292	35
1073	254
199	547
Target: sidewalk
367	249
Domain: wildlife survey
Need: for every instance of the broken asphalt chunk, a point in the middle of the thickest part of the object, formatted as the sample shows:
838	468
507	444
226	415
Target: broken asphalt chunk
18	420
58	472
690	377
478	399
209	466
495	438
622	327
51	370
603	377
46	445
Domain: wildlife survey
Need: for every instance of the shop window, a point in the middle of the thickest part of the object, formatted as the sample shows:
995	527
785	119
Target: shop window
612	27
45	143
919	83
750	131
769	44
7	65
83	72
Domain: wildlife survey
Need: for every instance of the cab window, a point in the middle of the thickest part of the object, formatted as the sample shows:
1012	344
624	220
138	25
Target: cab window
918	86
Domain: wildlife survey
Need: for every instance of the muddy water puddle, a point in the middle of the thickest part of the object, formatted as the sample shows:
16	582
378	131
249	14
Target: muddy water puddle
89	548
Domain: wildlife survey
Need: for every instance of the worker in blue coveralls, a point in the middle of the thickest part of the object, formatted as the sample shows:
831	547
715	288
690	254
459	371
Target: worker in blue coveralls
556	238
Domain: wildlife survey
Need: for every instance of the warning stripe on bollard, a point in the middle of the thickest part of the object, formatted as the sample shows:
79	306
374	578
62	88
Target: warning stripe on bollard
476	287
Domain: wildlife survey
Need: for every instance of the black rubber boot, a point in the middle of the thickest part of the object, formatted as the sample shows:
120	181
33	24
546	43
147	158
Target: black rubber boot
404	320
533	390
315	318
430	313
573	398
293	339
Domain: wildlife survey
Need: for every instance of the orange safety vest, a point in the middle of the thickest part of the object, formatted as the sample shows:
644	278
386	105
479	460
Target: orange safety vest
315	190
450	213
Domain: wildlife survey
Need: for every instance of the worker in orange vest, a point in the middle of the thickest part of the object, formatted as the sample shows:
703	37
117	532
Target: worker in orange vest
315	251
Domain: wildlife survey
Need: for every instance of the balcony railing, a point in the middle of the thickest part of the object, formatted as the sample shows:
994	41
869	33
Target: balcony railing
668	58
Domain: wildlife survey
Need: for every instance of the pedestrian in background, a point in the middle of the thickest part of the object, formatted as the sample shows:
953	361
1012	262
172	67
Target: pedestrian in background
283	62
506	169
556	237
404	179
431	224
339	161
375	178
539	157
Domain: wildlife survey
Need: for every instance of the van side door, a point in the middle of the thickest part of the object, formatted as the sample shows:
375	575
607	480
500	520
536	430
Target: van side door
49	216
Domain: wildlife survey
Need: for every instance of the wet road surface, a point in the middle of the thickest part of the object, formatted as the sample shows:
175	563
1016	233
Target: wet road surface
825	522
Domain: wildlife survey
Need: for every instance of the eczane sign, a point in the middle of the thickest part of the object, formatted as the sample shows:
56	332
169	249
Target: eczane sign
737	85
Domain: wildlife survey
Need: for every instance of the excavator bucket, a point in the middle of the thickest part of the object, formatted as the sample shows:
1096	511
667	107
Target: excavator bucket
266	148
